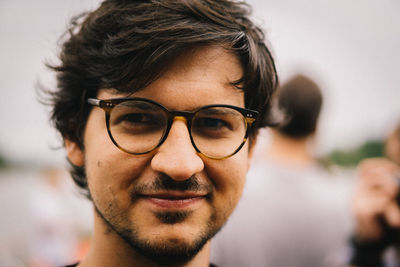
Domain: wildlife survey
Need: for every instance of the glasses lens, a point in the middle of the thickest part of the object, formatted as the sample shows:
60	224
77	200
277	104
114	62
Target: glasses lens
137	126
218	131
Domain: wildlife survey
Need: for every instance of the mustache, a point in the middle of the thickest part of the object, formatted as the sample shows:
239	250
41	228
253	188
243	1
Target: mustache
166	183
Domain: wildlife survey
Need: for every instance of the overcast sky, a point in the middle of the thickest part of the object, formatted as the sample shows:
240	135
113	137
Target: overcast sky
350	48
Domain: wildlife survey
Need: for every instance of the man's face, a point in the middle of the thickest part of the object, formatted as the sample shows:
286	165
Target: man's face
171	201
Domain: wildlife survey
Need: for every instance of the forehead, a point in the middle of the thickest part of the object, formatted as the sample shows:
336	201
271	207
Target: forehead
198	77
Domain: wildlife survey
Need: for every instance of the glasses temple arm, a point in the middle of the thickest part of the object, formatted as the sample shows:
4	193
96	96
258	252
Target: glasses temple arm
94	102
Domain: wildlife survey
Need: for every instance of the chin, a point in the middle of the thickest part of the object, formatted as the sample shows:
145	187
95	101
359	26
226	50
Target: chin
175	239
177	247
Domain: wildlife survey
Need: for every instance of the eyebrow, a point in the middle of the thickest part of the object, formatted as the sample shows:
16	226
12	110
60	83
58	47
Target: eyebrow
220	111
138	104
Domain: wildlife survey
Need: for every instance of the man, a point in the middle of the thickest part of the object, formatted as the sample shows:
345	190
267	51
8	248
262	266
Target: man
300	101
292	212
155	103
376	201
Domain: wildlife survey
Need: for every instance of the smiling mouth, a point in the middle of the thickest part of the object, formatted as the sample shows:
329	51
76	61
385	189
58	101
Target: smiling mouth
174	200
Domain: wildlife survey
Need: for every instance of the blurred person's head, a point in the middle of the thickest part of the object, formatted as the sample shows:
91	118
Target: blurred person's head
155	102
300	100
392	145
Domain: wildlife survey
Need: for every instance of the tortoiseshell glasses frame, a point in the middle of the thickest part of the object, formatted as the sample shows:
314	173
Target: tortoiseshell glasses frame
138	126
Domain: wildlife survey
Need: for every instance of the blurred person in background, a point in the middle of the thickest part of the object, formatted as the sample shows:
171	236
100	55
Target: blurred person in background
53	238
376	237
157	104
292	212
59	227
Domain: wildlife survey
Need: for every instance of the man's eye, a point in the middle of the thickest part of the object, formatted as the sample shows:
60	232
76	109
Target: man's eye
138	123
137	118
215	123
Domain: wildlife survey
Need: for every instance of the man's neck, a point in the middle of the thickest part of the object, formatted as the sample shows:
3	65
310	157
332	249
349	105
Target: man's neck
108	249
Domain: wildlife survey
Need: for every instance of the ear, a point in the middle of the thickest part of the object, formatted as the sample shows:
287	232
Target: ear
74	153
251	151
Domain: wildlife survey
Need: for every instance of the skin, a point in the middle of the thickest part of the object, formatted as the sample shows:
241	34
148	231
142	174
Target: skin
287	150
374	198
196	78
392	147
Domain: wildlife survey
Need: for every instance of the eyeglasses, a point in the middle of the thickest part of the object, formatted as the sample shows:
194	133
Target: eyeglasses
138	126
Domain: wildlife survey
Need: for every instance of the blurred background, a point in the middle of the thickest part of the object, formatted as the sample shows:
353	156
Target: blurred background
350	48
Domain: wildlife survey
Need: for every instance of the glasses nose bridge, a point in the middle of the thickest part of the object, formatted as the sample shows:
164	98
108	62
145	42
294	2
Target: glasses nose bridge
185	116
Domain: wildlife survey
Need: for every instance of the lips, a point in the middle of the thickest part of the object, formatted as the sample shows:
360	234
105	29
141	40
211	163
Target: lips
174	200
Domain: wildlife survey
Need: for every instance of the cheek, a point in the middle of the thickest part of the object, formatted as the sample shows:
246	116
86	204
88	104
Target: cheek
230	174
111	173
229	178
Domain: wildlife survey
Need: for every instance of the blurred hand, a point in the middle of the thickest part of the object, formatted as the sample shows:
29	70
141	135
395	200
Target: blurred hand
374	202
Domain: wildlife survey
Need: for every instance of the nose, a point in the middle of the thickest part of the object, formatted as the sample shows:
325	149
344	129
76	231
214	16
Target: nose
176	157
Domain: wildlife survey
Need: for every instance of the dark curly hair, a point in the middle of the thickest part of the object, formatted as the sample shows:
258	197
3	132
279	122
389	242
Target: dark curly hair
127	44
